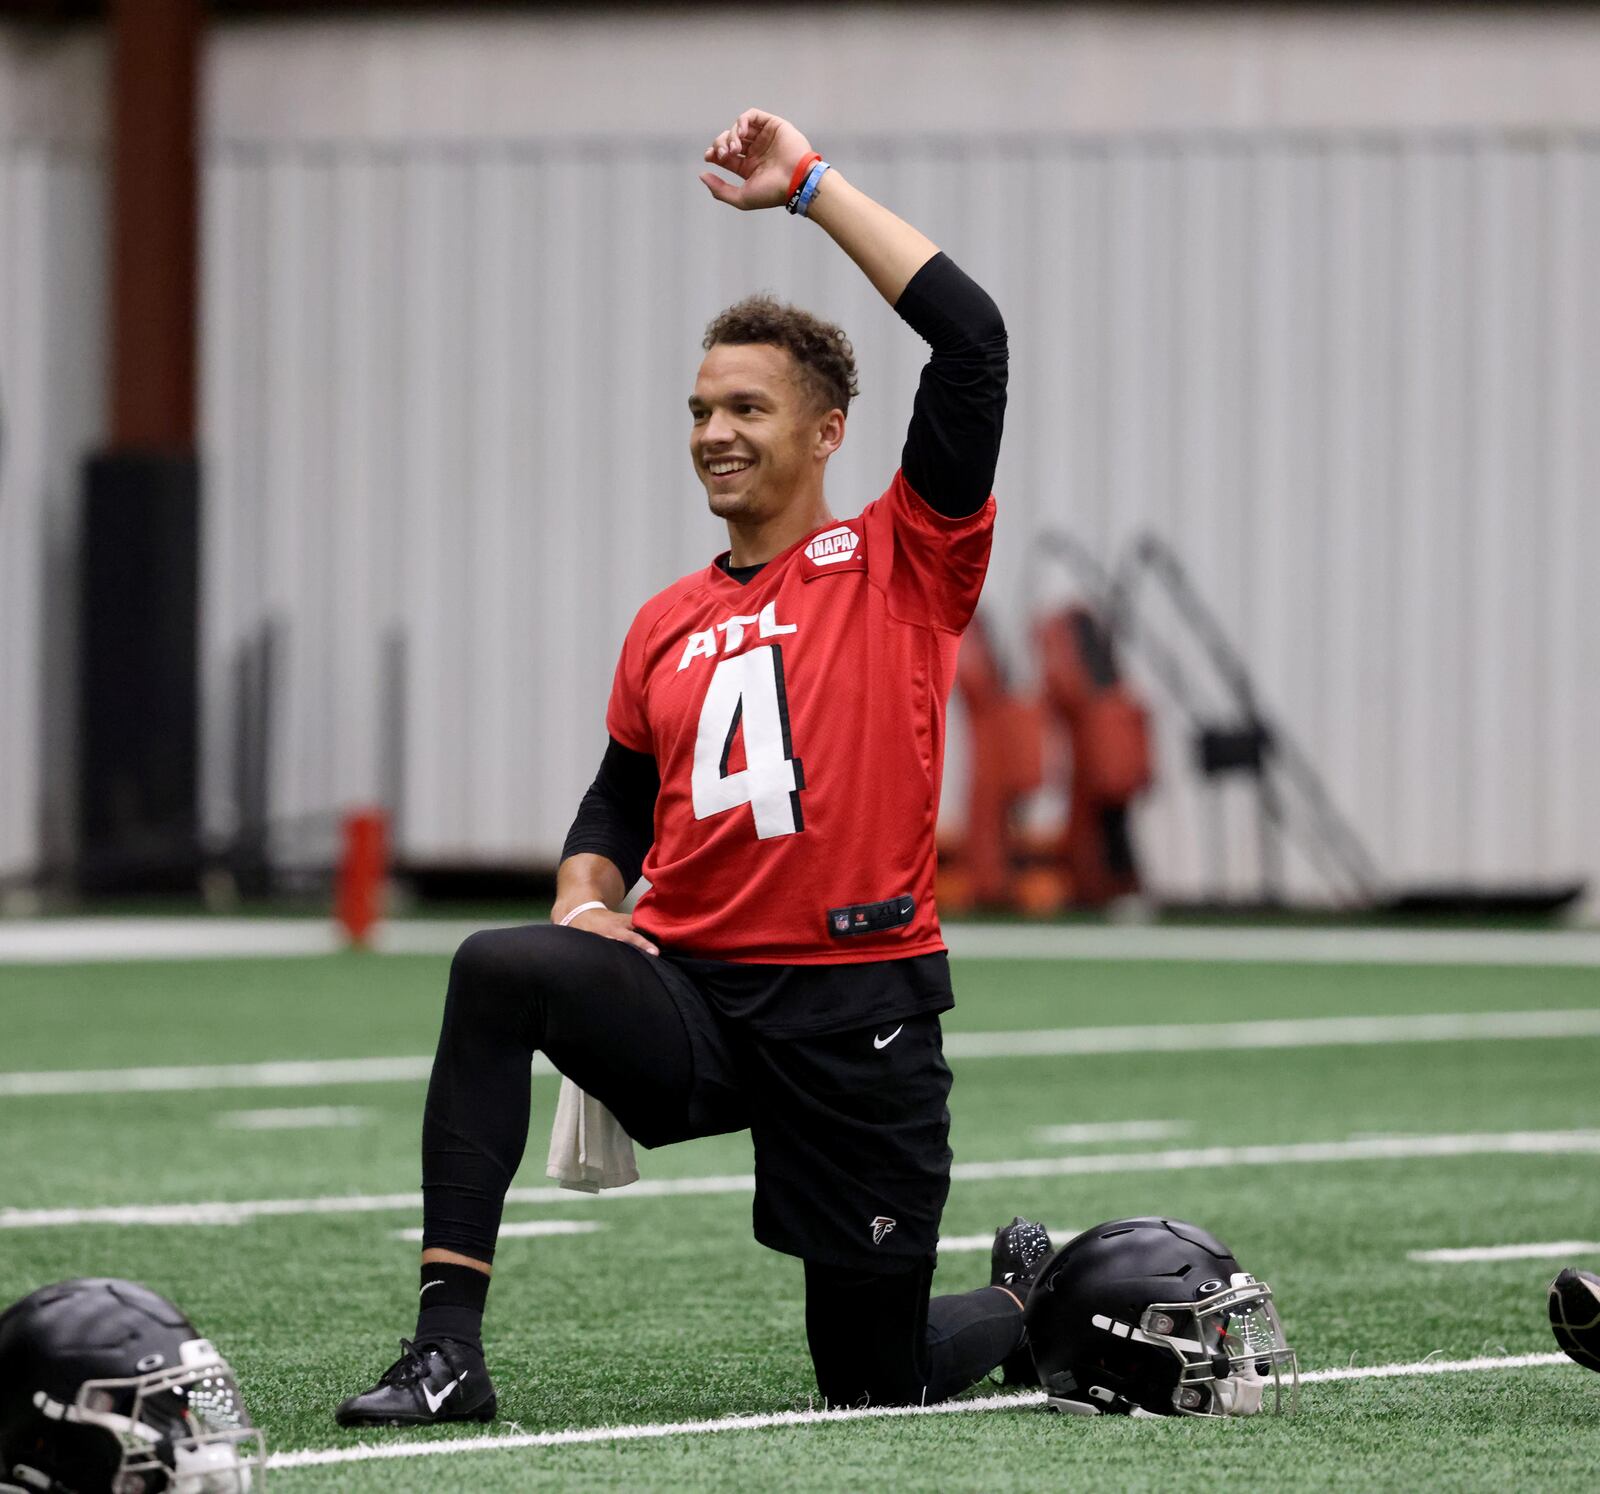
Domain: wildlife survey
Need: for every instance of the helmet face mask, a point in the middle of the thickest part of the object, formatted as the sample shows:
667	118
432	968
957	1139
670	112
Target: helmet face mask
157	1408
1113	1332
1229	1346
185	1427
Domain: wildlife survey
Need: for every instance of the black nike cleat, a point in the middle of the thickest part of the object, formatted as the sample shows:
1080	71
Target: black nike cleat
1020	1248
442	1380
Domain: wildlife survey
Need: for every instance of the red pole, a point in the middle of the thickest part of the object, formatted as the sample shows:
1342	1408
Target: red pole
363	866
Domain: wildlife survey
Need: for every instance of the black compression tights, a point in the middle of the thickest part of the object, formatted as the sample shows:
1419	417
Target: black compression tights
595	1008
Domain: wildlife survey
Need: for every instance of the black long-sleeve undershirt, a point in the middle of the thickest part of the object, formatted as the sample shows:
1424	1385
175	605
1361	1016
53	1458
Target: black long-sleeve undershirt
953	440
616	818
951	447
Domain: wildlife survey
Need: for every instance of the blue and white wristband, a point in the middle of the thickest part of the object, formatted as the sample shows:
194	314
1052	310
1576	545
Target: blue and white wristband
801	201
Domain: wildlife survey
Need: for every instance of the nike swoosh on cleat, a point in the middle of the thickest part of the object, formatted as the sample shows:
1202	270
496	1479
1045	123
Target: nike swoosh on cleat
879	1042
436	1401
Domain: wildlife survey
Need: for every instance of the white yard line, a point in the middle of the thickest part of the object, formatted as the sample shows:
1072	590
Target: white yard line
526	1229
287	1074
82	940
1371	1149
1550	1250
1088	1132
244	1211
307	1118
1060	1042
1302	1032
1432	1367
311	1073
1026	1400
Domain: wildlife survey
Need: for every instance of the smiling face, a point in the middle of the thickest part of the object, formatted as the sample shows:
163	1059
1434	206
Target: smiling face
759	440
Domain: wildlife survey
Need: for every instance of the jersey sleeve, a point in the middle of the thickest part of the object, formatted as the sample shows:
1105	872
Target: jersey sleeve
931	566
626	717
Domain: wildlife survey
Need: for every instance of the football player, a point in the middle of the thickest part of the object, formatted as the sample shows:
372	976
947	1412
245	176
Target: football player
776	728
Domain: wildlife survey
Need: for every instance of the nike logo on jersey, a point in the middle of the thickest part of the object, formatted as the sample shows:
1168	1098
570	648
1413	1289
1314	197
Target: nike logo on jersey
703	645
436	1401
881	1042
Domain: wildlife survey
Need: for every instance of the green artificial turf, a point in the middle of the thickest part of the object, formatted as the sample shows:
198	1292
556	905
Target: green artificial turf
672	1313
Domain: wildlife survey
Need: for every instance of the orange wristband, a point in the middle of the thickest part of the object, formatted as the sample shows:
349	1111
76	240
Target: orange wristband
798	180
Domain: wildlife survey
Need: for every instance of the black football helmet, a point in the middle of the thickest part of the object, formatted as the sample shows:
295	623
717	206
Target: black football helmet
1575	1315
106	1388
1154	1317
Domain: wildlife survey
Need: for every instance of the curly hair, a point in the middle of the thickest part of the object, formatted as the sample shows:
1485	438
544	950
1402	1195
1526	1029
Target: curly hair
823	357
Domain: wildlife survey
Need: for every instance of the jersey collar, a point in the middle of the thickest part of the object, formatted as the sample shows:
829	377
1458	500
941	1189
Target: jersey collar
773	567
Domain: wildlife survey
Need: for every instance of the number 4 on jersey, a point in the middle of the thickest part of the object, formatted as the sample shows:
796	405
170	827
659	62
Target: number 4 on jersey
747	691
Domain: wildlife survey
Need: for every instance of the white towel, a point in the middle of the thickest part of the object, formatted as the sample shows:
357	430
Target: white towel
589	1150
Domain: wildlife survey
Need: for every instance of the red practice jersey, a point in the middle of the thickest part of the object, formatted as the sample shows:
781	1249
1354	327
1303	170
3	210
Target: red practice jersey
797	722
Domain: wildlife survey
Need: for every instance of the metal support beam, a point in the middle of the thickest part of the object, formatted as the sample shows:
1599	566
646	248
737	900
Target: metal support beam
154	213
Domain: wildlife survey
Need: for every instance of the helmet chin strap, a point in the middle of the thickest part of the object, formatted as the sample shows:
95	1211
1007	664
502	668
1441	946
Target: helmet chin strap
1241	1394
33	1482
1221	1365
1110	1404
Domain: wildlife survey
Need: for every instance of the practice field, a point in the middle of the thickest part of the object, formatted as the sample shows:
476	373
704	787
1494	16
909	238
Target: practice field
1407	1151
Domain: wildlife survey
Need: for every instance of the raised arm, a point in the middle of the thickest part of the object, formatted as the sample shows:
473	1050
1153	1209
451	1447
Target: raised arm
953	440
763	151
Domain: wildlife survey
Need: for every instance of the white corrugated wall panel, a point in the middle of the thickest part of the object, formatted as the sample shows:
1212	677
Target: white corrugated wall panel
1349	378
51	412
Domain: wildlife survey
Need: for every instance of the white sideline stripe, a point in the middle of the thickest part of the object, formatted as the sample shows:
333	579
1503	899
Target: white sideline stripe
1091	1131
84	940
72	941
1369	1149
525	1229
1060	1042
308	1118
323	1457
1549	1250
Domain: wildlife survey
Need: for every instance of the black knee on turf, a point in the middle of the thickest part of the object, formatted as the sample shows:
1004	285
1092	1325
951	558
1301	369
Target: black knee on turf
867	1331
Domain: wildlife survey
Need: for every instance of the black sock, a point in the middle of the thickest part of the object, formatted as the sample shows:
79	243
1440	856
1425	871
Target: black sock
450	1304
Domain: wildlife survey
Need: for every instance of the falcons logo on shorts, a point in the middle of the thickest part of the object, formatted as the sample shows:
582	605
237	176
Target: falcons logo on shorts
881	1226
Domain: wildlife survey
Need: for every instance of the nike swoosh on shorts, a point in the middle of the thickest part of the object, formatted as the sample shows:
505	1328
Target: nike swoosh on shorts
879	1042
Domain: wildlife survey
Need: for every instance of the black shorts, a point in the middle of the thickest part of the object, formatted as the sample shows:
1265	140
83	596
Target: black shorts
851	1129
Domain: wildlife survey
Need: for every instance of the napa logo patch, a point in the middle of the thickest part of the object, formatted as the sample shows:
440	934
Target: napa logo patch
833	546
